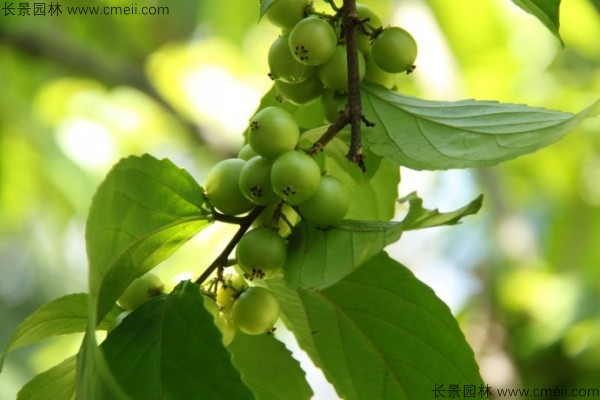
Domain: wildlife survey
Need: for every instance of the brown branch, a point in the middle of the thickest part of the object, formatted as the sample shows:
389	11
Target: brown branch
352	113
350	21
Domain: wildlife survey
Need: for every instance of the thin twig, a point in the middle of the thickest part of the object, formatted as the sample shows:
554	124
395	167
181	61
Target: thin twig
222	259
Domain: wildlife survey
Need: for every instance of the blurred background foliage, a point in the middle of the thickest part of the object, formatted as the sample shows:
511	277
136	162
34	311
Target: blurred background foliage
80	92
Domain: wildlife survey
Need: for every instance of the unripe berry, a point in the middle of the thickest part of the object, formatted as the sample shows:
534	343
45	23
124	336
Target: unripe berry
312	41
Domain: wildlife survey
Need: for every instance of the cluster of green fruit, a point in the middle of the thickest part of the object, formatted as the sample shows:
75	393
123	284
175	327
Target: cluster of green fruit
236	305
309	61
271	172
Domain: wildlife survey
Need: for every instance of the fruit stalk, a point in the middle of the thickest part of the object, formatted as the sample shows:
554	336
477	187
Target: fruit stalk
222	259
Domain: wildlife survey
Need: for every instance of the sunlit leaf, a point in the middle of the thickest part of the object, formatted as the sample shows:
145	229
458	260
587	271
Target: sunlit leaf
143	211
67	314
264	6
57	383
433	135
355	327
169	348
546	11
375	199
268	368
419	217
318	258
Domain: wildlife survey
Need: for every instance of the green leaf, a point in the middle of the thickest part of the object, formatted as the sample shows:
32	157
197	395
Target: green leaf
374	200
318	258
264	6
57	383
268	368
419	217
433	135
336	152
67	314
547	11
169	348
380	333
143	212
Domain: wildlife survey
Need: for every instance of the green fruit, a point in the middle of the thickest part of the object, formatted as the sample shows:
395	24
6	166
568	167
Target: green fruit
140	290
300	93
284	66
329	205
232	285
312	41
374	22
246	152
376	75
273	131
255	311
255	181
211	306
365	12
227	328
274	217
286	13
221	320
334	72
261	252
295	177
332	104
223	189
394	50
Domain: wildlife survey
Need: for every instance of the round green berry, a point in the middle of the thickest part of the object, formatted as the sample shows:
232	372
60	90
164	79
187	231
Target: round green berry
284	66
246	152
286	13
255	181
223	189
312	41
329	205
255	311
300	93
394	50
295	177
140	290
261	252
334	72
273	131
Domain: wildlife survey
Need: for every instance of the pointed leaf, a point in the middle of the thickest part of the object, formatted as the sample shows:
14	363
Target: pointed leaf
143	211
374	200
419	217
433	135
318	258
264	6
169	348
94	380
373	192
57	383
67	314
380	333
546	11
268	368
